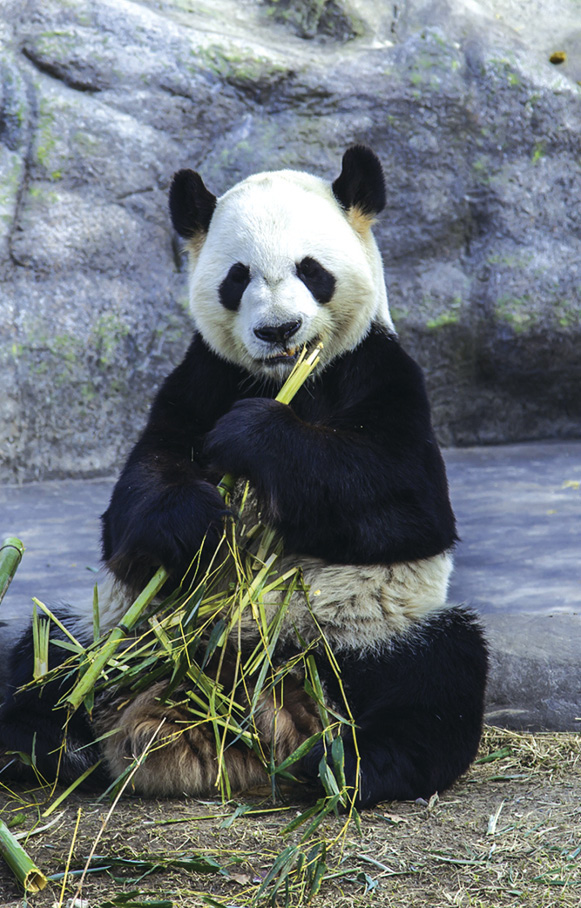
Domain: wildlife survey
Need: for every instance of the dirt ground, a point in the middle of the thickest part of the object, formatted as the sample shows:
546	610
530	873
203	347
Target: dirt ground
507	834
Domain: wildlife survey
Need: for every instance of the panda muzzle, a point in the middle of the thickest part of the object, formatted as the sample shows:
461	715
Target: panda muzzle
278	334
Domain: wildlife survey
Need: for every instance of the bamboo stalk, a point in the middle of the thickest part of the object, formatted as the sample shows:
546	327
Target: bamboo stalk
118	633
10	557
21	865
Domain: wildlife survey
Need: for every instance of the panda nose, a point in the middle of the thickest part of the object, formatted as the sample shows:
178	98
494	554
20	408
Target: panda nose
278	334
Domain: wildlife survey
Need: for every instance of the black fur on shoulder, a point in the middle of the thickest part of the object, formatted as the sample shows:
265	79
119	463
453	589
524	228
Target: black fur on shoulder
361	183
191	205
418	706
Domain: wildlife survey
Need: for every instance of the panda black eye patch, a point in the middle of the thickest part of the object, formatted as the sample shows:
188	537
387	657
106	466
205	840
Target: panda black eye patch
316	279
234	285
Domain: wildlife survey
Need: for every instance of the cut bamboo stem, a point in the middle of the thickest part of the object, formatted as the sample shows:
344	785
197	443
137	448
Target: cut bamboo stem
21	865
11	554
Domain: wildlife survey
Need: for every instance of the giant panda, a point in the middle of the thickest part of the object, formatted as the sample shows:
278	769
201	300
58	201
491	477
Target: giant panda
349	474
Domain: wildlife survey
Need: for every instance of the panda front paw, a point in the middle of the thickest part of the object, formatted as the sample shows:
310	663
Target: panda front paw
242	440
178	529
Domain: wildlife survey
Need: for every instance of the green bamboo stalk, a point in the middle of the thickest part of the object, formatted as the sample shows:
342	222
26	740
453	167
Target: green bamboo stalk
10	557
117	635
21	865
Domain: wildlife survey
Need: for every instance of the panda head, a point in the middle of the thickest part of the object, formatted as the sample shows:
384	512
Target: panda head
283	260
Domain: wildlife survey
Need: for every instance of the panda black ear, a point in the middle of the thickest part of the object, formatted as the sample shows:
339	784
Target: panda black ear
191	205
361	184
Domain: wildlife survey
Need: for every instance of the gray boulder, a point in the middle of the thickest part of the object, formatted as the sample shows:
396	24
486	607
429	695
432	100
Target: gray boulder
478	132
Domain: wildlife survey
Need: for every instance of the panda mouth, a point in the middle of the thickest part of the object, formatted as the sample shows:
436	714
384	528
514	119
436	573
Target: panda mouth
283	356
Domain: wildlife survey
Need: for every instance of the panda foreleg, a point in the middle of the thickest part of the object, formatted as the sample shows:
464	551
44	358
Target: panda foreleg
165	502
150	523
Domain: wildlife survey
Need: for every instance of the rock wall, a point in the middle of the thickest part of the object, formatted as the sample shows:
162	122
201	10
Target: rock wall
479	133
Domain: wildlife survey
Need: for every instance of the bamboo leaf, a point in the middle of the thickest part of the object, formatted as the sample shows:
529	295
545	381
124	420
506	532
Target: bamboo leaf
283	863
329	806
196	863
64	644
214	642
304	816
316	868
195	603
301	751
338	757
496	755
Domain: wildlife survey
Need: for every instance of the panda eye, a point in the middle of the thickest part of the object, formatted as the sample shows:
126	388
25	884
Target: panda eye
234	285
316	279
239	273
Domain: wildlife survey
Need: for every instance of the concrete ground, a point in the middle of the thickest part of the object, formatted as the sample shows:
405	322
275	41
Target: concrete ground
518	563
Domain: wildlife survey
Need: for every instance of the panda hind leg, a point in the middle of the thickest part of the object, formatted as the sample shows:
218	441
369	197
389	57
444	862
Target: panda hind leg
418	710
180	754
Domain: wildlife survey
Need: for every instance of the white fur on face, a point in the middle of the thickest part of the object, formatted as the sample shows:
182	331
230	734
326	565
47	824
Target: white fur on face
269	223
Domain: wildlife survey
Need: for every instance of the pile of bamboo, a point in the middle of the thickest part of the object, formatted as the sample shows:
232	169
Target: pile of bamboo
177	638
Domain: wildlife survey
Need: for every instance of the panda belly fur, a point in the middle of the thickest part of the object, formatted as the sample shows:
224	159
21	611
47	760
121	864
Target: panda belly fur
349	474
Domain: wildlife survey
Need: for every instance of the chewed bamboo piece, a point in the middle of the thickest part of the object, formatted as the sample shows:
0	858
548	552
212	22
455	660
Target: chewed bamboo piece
301	371
21	865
